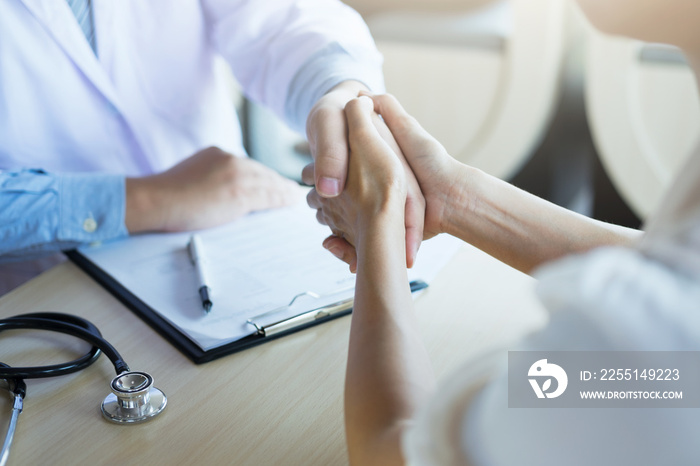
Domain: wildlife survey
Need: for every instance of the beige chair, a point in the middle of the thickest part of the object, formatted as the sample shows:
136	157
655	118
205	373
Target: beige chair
644	113
483	82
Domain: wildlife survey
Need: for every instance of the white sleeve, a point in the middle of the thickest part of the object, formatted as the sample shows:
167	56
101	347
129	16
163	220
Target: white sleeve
287	53
610	299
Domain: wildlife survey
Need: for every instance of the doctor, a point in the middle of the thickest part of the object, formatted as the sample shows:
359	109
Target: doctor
113	119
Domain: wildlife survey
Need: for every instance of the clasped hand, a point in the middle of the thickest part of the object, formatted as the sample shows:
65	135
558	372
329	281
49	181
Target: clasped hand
392	162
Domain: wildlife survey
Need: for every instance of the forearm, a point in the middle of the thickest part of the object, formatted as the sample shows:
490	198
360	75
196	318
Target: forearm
388	371
518	228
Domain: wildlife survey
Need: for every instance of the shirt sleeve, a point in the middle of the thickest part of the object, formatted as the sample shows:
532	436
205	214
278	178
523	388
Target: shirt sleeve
43	213
287	54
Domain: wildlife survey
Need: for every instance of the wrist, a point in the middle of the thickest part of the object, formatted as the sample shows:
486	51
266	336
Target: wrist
384	220
461	198
142	211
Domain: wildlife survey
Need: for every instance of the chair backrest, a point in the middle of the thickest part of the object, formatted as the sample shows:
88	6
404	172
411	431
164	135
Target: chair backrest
483	82
644	111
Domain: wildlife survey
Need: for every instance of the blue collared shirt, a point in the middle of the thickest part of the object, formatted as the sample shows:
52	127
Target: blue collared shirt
44	212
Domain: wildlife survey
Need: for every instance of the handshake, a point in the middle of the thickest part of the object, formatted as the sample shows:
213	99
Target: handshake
376	173
398	177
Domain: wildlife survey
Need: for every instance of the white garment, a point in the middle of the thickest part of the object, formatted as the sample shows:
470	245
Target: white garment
611	299
151	96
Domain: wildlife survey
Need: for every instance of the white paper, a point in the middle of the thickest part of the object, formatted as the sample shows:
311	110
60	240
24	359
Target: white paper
256	265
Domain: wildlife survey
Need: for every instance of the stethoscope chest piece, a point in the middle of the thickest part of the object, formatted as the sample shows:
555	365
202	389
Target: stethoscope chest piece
133	399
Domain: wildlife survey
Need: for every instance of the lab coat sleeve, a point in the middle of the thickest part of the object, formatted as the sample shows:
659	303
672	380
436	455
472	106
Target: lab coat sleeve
324	70
41	212
286	54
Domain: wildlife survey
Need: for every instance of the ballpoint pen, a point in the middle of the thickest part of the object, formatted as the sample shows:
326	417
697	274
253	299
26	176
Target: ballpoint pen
198	258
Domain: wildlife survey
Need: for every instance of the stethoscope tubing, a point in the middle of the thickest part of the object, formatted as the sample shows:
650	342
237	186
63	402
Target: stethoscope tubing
86	331
62	323
54	322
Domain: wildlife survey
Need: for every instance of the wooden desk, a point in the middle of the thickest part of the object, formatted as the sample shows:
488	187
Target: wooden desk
276	404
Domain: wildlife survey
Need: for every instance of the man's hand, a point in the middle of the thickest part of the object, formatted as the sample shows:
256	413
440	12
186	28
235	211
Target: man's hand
210	188
326	130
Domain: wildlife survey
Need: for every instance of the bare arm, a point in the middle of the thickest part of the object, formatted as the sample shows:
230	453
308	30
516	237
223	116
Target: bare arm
516	227
520	229
388	371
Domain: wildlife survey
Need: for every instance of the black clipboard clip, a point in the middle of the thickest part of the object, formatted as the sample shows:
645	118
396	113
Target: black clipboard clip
328	311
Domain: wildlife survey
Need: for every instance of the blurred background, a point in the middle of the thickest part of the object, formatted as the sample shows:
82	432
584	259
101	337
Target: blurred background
527	91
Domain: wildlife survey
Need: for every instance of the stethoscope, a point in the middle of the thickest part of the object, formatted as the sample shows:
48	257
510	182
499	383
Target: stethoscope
133	399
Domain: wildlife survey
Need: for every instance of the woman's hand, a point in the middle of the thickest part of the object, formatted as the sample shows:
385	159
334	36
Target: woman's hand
375	193
438	174
326	129
512	225
388	372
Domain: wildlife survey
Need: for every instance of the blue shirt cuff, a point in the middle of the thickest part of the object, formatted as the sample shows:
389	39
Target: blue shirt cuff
42	213
92	208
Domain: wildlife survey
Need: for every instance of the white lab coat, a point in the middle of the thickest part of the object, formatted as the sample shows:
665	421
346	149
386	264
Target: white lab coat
151	97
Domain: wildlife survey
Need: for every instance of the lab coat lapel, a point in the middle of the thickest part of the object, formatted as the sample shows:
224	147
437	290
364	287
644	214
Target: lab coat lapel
57	18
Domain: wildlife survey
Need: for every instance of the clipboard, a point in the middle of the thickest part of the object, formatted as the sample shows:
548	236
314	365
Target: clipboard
262	333
262	268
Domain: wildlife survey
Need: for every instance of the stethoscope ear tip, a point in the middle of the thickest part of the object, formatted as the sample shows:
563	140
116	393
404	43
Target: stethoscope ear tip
134	399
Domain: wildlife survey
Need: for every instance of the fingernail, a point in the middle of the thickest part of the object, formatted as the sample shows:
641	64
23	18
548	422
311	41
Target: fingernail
328	186
414	255
337	252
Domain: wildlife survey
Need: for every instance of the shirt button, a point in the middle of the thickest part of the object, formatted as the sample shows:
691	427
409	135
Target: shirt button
90	225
